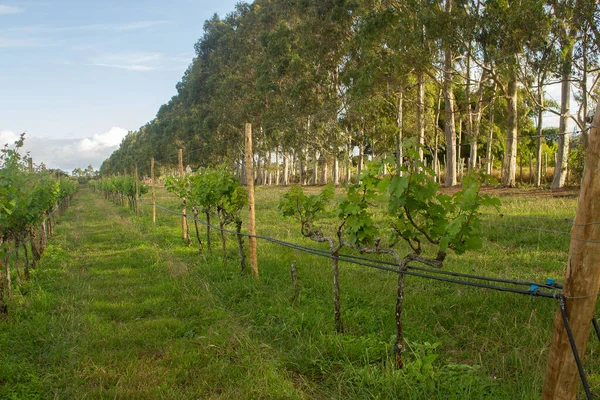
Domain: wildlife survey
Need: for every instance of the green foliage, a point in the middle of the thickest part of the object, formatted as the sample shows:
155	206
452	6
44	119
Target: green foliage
27	196
417	210
121	185
178	185
305	209
577	160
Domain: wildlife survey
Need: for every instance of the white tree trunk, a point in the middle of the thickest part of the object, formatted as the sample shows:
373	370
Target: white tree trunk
509	165
562	159
449	125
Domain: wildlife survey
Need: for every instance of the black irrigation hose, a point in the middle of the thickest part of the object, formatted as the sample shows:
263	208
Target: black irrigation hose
563	311
596	327
370	264
348	258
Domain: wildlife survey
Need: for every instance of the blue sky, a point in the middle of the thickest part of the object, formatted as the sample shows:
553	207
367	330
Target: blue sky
77	74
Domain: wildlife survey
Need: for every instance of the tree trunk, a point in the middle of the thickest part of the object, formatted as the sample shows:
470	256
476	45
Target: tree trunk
349	163
316	168
361	150
277	167
436	161
449	125
509	166
399	133
468	114
421	114
286	172
324	170
538	146
301	173
476	126
560	170
336	171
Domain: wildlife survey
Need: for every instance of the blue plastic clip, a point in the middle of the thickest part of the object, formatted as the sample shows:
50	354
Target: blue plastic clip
533	288
549	281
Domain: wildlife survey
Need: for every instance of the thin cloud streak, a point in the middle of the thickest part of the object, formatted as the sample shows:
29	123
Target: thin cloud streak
46	29
10	10
129	61
7	42
127	67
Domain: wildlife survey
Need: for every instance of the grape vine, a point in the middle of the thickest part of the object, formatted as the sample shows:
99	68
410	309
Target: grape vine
430	222
28	199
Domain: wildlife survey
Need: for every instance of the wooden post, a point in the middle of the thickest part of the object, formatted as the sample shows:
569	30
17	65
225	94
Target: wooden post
582	280
251	216
137	191
153	192
30	162
183	211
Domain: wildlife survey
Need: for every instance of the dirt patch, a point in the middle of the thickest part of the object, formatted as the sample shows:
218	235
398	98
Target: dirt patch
534	193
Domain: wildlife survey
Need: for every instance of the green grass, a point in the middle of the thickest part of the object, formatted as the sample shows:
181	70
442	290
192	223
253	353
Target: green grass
121	309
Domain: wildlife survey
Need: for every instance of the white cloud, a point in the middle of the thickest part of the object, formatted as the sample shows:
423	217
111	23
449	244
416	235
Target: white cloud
8	10
109	139
68	154
7	137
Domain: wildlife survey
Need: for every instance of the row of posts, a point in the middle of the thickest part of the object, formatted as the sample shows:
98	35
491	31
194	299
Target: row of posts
249	185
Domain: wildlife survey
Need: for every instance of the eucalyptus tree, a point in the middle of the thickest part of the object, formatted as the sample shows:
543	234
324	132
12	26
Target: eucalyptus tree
325	31
538	66
506	29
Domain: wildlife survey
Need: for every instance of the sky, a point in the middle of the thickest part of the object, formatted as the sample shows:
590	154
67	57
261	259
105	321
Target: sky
77	75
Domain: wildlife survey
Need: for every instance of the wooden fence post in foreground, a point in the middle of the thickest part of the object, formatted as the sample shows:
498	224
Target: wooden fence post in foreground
250	186
153	192
582	280
182	175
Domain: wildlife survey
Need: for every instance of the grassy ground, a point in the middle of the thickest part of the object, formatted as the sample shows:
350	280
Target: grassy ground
121	309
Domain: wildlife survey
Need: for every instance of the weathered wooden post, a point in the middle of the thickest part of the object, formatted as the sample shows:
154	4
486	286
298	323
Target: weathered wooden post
582	280
153	192
251	216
